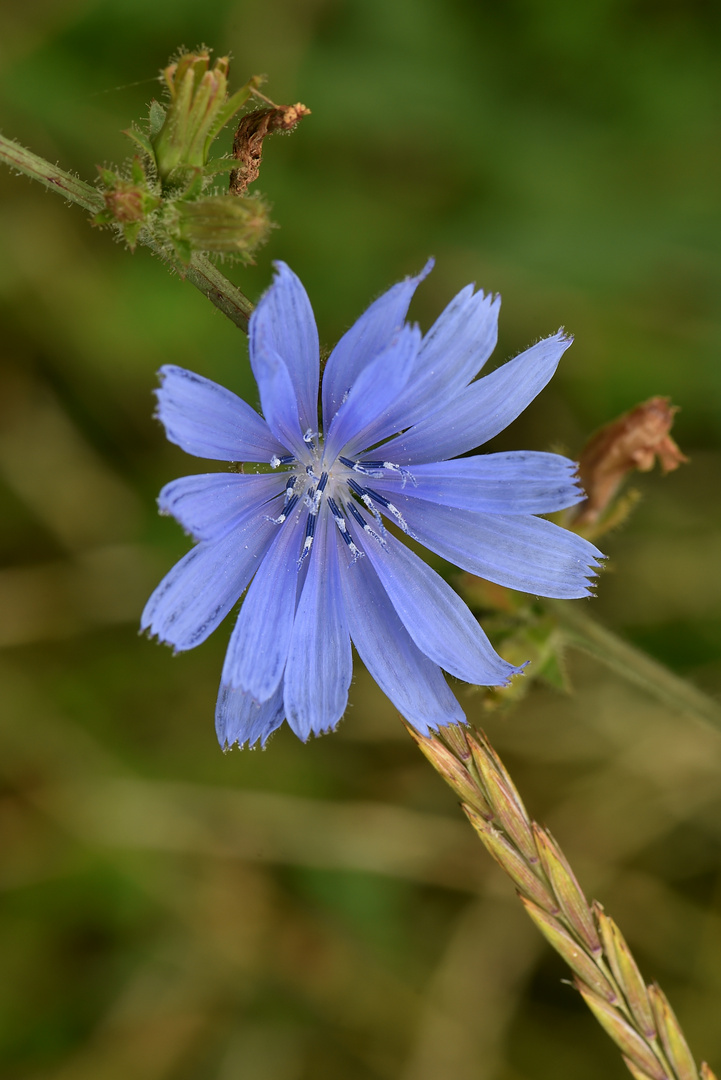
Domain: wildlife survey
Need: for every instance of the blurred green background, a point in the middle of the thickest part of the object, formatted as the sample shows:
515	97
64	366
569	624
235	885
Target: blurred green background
171	913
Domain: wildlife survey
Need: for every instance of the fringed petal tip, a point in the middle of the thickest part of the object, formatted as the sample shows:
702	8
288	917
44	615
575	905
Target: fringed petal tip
150	633
588	590
261	743
314	732
430	263
578	493
426	728
242	723
513	671
596	565
520	669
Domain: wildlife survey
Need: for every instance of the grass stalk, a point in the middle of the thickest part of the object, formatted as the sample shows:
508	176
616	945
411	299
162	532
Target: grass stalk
637	1017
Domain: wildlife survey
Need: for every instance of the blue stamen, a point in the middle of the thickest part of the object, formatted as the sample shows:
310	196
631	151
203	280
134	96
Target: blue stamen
393	510
308	541
364	494
377	468
355	512
343	530
289	506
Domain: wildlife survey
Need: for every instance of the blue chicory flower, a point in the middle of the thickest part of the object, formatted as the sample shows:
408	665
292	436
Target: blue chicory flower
306	533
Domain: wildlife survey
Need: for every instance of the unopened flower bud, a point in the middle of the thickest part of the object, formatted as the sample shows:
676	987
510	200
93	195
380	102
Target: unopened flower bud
199	107
124	203
128	202
222	223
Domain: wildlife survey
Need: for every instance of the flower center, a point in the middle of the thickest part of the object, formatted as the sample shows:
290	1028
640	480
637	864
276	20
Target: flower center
312	483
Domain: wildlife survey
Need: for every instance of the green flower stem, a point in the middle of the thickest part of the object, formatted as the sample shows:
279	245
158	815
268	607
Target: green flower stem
220	291
54	178
583	632
201	273
637	1017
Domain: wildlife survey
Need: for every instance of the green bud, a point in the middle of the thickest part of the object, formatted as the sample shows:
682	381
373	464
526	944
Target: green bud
224	224
199	107
128	202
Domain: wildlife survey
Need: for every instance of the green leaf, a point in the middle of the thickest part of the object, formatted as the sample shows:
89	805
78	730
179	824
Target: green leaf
220	165
232	105
141	140
553	671
156	118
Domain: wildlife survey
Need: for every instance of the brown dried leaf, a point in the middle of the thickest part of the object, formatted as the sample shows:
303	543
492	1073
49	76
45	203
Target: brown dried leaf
633	441
248	141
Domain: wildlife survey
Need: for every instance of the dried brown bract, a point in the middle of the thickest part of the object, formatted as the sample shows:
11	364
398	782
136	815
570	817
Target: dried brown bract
248	141
634	441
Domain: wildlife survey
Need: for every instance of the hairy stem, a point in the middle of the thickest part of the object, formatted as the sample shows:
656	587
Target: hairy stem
201	272
637	1017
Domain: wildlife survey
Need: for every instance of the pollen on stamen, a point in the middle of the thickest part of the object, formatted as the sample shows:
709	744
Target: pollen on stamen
287	509
365	526
307	543
405	474
366	496
377	468
276	462
366	468
393	510
343	530
312	499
